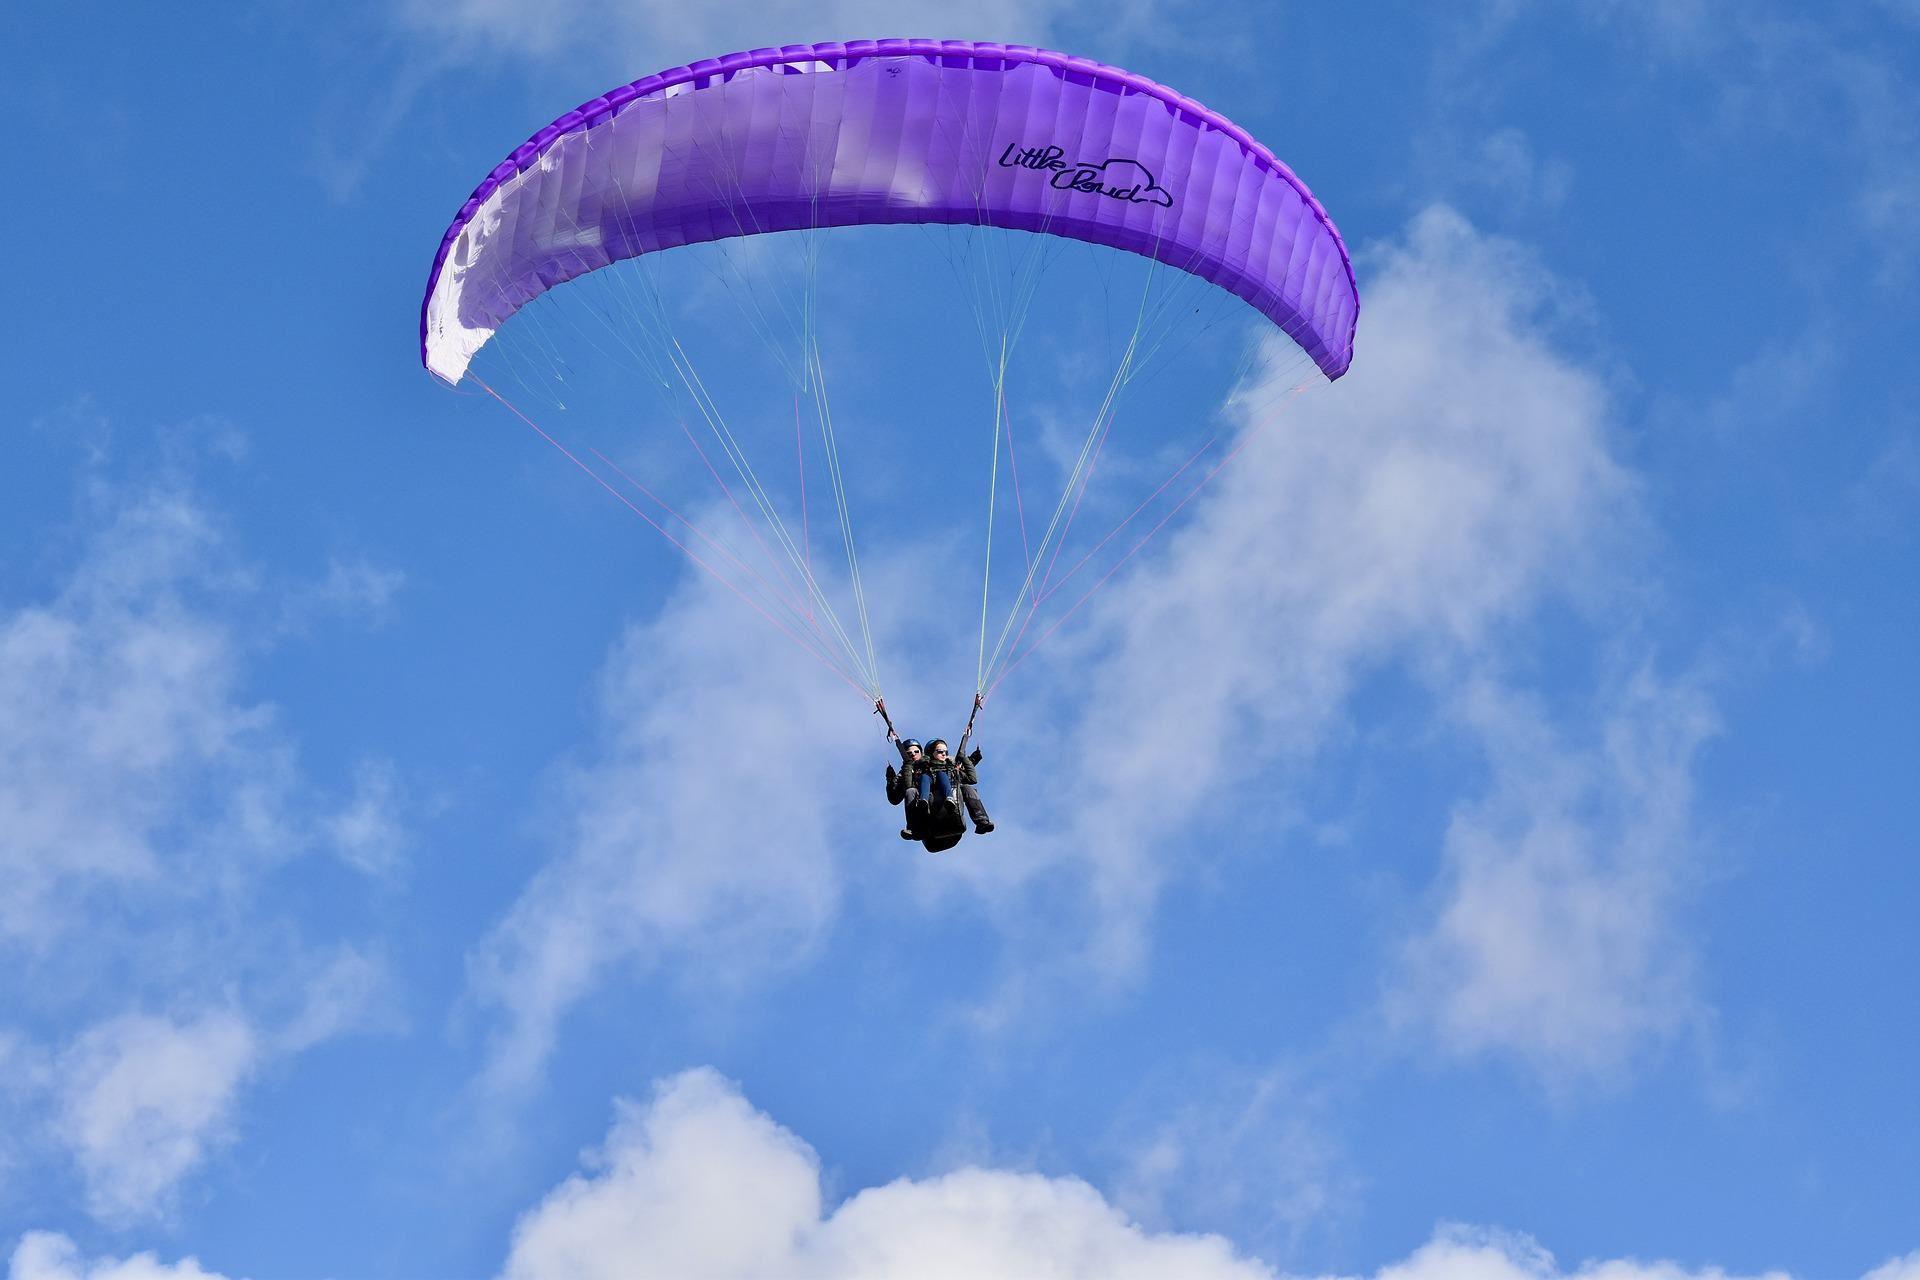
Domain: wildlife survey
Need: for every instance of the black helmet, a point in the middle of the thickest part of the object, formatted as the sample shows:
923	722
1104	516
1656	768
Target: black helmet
910	742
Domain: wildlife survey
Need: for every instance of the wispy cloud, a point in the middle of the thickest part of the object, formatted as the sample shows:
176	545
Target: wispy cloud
369	832
705	824
353	589
119	712
1883	502
1773	72
142	1100
131	759
1249	1152
1555	936
1410	516
1507	164
146	800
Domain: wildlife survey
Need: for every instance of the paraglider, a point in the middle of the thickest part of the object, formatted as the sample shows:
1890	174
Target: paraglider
935	786
932	134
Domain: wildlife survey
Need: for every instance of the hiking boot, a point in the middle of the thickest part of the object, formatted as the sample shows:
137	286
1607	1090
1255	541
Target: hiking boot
983	826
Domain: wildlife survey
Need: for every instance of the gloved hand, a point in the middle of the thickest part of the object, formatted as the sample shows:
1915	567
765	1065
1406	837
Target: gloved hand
973	757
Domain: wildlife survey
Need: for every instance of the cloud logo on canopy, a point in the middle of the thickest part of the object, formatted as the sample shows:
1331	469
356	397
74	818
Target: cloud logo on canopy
1116	179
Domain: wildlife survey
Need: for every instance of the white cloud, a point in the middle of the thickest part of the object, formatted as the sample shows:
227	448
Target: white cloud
144	1099
1555	937
700	1184
47	1255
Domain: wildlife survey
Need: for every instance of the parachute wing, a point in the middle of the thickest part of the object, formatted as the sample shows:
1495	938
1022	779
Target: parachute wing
891	131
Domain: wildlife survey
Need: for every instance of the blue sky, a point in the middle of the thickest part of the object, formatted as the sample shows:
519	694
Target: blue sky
1473	839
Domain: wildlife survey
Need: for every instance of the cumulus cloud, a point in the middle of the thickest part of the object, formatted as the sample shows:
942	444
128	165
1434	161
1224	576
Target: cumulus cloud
697	1183
47	1255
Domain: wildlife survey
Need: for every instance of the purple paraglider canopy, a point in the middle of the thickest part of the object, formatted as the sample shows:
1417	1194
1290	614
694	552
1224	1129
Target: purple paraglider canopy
891	131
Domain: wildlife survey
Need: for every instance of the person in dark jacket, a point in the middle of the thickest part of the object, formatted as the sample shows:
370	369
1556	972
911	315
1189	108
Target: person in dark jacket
900	781
935	777
969	780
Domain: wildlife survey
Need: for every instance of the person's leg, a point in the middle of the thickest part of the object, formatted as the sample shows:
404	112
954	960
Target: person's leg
975	808
925	784
942	785
916	805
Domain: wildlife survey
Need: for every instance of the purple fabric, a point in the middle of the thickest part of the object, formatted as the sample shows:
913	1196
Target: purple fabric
884	131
